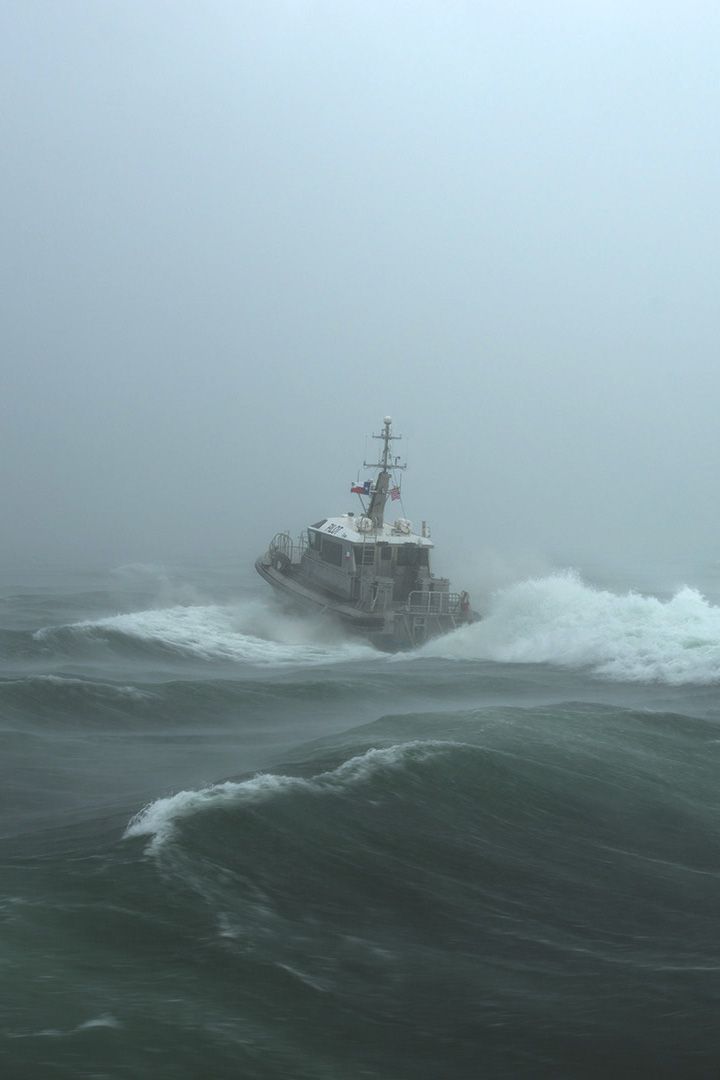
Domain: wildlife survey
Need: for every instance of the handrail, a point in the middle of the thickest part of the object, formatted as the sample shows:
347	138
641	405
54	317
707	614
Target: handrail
423	602
282	544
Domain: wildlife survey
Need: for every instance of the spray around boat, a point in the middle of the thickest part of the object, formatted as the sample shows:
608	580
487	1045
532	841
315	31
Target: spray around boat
371	574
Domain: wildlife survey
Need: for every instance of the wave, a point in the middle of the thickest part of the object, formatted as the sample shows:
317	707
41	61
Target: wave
561	620
247	632
254	701
160	818
557	619
104	1021
505	829
508	799
503	761
54	701
71	684
472	896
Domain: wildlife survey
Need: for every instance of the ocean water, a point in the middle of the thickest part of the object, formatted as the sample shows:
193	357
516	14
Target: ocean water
237	845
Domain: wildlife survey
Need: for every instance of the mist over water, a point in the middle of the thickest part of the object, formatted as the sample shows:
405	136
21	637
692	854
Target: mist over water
557	619
563	621
236	239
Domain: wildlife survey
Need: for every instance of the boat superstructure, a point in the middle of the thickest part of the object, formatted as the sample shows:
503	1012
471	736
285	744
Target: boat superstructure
372	574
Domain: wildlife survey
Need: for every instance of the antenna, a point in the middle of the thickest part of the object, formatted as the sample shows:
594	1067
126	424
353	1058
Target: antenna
380	494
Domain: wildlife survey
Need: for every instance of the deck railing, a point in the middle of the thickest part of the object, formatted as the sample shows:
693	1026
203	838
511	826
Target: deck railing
282	544
422	602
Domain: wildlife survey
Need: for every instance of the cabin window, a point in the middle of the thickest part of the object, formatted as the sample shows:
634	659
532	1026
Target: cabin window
331	551
313	540
407	555
385	552
364	554
410	555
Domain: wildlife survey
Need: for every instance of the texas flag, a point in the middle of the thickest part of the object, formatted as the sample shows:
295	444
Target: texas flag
361	489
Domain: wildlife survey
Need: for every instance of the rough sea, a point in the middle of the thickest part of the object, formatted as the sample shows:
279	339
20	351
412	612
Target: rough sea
235	845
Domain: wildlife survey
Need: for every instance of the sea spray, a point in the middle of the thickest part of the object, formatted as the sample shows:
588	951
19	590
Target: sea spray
249	632
563	621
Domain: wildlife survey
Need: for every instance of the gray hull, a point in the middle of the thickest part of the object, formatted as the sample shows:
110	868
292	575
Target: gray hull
391	631
291	590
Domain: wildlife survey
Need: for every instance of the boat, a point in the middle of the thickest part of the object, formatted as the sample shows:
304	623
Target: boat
370	574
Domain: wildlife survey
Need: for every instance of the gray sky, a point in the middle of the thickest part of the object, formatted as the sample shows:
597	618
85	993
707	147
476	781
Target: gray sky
236	234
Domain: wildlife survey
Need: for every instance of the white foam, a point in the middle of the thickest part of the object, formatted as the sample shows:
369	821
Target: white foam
159	818
244	632
561	620
105	1021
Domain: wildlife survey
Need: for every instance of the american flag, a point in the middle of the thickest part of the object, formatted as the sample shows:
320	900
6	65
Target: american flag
394	493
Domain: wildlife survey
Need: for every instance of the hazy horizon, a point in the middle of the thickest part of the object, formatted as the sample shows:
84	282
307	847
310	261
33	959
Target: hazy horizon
237	235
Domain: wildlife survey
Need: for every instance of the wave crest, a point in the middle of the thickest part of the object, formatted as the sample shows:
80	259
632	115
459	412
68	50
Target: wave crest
247	632
561	620
159	818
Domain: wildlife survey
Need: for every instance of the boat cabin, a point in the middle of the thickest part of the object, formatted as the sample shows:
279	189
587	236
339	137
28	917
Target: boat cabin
350	558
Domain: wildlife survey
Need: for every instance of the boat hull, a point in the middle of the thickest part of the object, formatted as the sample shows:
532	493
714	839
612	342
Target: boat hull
391	631
291	589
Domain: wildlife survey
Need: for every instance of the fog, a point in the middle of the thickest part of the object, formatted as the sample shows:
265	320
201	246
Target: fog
235	235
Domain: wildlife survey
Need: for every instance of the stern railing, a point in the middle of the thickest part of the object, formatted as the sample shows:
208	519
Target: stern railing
423	602
287	550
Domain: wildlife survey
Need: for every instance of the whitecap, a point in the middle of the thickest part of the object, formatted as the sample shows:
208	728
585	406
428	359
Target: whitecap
628	637
159	819
247	632
106	1021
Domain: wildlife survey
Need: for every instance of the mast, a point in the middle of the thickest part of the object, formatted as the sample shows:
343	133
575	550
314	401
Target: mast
376	509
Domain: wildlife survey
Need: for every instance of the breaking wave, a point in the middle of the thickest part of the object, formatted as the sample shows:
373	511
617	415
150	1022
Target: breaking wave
630	637
558	620
248	632
159	819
